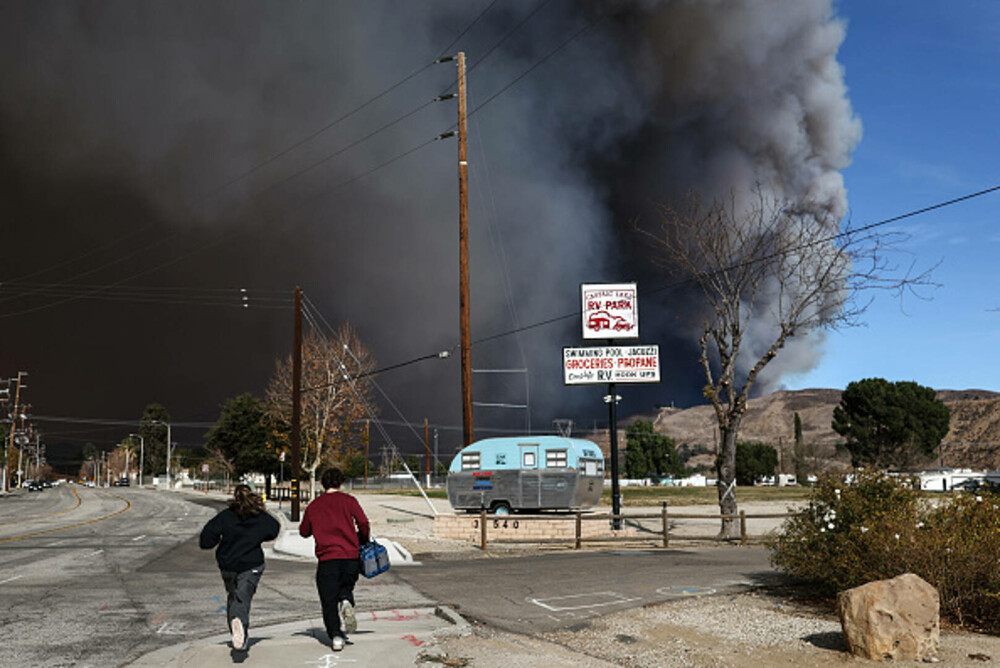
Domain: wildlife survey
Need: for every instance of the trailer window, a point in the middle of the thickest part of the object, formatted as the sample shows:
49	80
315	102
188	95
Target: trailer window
470	461
529	460
590	468
555	459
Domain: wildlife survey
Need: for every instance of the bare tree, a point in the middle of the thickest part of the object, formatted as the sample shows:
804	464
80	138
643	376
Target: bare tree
767	271
336	395
220	461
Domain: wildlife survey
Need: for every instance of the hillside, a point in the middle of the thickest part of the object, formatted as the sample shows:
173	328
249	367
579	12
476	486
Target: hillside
973	439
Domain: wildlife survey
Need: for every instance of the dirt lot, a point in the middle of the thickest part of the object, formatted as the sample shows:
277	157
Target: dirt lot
766	628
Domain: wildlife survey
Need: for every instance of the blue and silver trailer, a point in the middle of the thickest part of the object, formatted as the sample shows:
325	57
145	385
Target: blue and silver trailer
526	473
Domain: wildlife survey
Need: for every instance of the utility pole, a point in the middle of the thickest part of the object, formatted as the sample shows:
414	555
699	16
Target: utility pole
296	402
436	460
168	457
142	453
13	424
463	245
427	450
463	250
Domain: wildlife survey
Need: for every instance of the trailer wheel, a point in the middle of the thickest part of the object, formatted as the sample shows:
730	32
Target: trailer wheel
501	508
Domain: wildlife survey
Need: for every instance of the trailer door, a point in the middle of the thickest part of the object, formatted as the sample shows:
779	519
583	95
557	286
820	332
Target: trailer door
531	481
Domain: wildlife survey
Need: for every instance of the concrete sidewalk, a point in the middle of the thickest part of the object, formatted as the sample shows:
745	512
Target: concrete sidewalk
384	638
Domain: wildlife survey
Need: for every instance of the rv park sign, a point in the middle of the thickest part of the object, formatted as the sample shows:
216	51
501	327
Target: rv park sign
610	312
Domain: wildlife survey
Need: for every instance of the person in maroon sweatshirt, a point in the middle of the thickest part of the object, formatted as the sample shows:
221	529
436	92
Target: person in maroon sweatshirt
339	526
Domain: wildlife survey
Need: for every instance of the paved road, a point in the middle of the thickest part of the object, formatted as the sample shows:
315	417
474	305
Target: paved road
100	577
543	593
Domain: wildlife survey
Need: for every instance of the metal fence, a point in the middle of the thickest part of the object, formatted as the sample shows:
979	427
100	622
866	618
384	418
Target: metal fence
283	491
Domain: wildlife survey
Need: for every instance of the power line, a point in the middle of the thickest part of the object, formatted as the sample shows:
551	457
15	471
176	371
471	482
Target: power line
455	41
153	289
215	242
343	149
227	297
116	422
254	169
92	251
118	260
538	63
676	284
344	183
352	112
352	381
539	7
415	110
815	242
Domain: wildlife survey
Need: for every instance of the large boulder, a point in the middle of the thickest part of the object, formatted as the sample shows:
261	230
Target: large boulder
892	619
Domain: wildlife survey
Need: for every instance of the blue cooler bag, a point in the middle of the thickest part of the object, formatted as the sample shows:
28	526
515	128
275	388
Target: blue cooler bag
374	559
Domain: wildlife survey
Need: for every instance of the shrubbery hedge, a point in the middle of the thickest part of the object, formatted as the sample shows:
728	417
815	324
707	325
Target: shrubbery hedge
878	527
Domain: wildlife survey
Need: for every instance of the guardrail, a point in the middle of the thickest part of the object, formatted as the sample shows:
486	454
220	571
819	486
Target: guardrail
662	536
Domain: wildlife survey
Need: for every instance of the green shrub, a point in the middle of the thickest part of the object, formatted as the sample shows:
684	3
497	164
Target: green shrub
878	527
961	557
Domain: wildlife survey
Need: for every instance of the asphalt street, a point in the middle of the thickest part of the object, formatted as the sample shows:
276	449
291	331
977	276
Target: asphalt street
102	577
114	577
542	593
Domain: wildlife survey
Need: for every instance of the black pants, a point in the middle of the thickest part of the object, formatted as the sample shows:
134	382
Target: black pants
240	588
335	580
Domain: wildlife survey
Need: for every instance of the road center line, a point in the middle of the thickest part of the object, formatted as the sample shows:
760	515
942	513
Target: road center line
11	579
138	538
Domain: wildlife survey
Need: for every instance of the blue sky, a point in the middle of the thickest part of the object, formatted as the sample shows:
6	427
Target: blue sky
923	78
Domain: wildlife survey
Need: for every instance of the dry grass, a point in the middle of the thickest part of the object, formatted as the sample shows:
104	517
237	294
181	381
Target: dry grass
654	496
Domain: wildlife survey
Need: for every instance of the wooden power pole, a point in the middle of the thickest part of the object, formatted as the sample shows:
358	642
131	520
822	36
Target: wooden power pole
296	404
463	250
463	244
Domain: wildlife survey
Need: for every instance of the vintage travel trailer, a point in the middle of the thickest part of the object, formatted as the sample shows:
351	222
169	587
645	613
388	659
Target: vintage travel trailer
526	473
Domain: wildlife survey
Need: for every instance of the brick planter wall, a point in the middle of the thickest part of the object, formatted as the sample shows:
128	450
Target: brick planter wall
523	528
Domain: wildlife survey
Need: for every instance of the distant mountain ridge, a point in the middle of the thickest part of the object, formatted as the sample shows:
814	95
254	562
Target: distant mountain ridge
973	440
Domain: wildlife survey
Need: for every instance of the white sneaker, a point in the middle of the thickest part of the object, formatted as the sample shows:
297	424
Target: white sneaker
337	644
350	619
239	637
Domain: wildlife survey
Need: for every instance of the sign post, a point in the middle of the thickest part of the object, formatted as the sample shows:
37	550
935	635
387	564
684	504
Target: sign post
611	311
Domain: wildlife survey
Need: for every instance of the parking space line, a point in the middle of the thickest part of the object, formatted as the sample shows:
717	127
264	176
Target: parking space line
600	599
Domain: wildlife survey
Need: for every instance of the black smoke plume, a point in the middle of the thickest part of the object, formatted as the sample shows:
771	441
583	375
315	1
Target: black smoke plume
124	126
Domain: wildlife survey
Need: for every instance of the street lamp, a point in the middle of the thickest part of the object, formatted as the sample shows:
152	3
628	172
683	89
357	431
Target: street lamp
142	454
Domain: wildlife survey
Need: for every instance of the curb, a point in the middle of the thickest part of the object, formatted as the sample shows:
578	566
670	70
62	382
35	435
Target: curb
461	626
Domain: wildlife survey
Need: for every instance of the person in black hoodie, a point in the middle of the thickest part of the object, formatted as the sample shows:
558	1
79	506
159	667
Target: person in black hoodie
238	531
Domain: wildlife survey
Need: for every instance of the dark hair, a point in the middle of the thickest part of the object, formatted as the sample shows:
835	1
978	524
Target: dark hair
245	503
332	478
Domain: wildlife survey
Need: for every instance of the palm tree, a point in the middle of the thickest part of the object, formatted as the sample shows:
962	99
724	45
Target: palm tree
127	448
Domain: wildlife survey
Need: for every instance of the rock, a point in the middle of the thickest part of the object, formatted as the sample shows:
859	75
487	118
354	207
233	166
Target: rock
892	619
